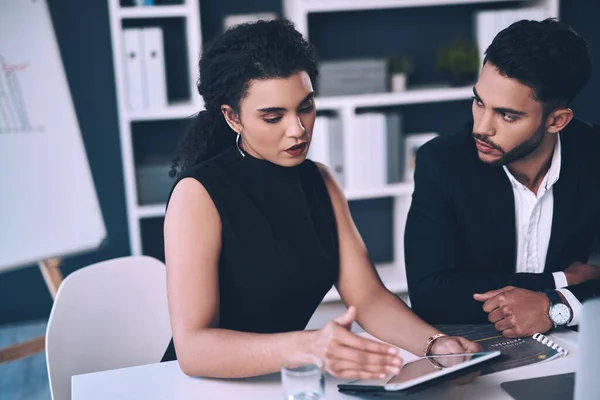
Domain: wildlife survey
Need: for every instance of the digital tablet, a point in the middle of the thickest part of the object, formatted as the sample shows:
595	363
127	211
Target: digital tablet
423	372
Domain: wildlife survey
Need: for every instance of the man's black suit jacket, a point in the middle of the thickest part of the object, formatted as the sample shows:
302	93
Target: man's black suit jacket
460	235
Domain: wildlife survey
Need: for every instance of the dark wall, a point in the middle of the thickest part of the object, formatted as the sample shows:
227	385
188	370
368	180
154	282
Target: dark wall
84	40
582	15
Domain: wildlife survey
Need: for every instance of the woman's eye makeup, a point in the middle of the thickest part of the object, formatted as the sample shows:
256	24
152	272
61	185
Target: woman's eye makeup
307	107
273	120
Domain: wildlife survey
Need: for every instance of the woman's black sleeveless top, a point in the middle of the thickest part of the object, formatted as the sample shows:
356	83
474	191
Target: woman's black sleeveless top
279	253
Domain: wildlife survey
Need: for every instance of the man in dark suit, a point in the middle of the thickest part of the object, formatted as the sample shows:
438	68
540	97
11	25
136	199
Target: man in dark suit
505	211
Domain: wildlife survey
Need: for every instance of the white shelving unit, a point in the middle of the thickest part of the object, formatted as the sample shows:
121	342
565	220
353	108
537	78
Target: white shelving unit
346	107
190	13
299	10
415	96
356	5
174	111
155	11
393	275
392	190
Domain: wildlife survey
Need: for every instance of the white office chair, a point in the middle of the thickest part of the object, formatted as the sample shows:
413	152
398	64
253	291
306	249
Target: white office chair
108	315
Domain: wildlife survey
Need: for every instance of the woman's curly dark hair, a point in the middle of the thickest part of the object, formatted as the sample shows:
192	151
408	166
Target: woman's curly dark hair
246	52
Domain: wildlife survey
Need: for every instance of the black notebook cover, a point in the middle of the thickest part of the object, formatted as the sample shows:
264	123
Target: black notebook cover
515	352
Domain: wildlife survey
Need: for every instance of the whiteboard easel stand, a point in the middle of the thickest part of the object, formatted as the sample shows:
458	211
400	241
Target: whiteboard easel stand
50	270
52	276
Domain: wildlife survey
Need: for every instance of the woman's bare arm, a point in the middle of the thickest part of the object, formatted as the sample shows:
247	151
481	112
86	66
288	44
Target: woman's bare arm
380	312
192	246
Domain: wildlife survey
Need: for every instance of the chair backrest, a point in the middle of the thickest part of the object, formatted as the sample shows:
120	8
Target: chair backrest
587	384
109	315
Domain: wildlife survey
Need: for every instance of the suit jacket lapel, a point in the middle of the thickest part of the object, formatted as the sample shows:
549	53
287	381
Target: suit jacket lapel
505	220
565	196
500	211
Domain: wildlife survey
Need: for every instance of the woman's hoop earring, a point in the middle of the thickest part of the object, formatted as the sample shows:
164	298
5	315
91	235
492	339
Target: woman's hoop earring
237	144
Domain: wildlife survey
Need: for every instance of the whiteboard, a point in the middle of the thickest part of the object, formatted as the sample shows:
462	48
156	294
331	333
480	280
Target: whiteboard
48	203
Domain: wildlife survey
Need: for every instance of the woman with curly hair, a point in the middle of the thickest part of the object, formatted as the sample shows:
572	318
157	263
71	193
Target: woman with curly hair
256	234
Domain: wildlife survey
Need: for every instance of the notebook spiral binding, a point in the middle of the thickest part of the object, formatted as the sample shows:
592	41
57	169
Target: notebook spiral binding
545	340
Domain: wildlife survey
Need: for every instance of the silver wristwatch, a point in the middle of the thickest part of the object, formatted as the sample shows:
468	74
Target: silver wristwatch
560	313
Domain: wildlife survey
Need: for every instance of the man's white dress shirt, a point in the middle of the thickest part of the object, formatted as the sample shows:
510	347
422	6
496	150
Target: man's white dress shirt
533	215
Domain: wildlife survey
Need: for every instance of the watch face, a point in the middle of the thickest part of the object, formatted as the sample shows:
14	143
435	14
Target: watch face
560	314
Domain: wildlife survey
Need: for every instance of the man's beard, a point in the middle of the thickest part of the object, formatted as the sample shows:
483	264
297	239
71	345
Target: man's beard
518	153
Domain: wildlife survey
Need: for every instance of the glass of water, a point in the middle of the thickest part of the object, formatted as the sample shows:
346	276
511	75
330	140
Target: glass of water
302	376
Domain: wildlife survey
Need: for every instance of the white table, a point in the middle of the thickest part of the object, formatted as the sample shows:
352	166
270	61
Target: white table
166	381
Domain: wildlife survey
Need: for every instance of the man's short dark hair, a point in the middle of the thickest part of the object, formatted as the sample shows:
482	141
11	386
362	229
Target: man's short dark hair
548	56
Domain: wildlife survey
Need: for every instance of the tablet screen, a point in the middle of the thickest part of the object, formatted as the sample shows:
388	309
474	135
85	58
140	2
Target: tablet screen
422	370
430	367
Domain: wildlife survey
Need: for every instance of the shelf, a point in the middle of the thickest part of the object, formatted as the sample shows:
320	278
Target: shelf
416	96
154	11
390	275
392	190
151	211
353	5
175	111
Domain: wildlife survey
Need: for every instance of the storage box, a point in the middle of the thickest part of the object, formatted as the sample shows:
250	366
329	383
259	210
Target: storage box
358	76
153	183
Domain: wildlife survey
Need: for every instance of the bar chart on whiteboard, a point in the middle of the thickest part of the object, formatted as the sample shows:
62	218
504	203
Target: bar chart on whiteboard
49	207
14	117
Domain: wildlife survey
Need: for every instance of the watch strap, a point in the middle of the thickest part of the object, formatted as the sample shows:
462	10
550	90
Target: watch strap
553	297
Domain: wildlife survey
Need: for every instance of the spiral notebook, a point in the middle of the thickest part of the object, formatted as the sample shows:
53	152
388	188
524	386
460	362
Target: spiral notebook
515	352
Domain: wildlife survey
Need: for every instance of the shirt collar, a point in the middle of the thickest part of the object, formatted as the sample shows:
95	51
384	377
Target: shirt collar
553	172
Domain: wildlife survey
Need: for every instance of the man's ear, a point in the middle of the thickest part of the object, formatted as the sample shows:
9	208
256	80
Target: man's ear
232	118
558	120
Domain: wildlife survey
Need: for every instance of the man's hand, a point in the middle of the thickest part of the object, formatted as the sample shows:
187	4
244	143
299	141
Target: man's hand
578	273
517	312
